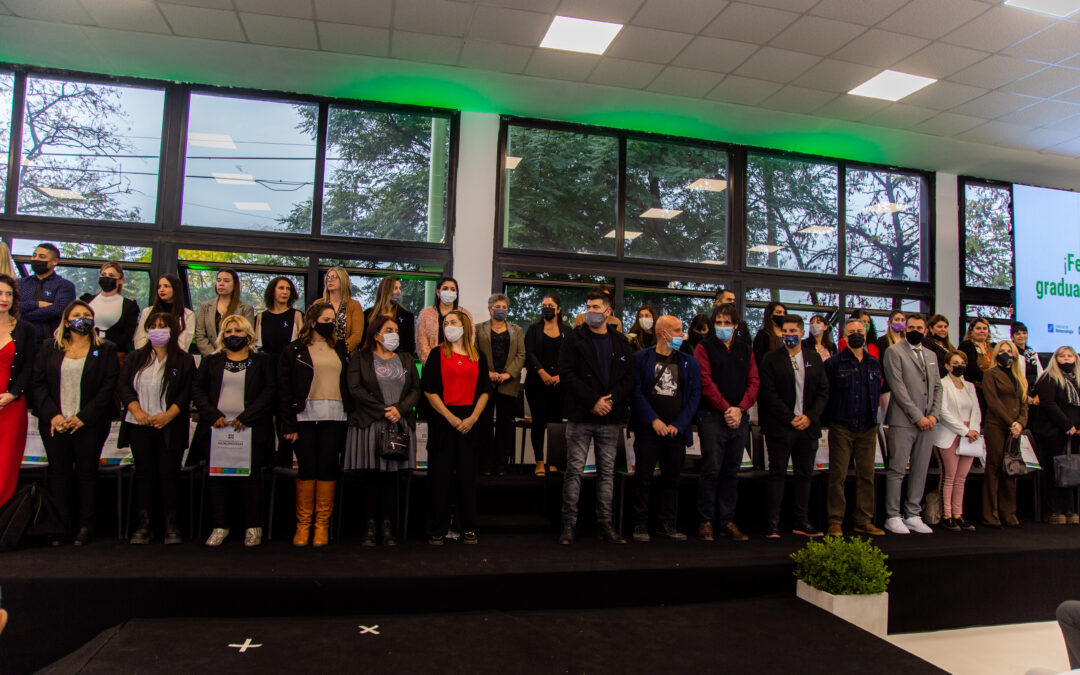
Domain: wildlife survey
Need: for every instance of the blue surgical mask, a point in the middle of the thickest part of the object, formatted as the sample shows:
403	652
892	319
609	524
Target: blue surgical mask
790	341
724	333
675	342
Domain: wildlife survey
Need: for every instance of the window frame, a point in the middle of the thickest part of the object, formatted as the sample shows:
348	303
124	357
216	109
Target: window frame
978	295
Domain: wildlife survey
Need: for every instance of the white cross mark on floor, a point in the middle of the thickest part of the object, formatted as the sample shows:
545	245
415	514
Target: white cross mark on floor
374	630
247	645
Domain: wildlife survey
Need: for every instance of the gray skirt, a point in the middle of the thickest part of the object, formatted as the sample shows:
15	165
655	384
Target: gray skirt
362	448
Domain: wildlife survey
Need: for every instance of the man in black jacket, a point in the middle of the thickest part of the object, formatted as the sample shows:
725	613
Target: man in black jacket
726	296
791	399
596	372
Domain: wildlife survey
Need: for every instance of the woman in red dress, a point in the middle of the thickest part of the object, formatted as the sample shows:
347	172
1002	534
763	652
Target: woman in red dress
17	345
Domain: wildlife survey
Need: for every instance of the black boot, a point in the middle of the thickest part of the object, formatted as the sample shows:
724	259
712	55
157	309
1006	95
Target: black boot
142	532
172	530
369	534
388	538
84	536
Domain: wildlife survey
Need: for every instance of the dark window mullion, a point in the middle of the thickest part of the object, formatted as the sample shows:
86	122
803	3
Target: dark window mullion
18	104
841	219
320	170
620	200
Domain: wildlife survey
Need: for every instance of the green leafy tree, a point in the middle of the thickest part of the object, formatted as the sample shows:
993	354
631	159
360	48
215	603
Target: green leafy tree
989	246
883	225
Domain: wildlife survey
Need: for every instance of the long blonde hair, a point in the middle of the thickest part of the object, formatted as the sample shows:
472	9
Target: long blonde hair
382	298
466	336
345	283
1053	371
890	335
1016	368
7	263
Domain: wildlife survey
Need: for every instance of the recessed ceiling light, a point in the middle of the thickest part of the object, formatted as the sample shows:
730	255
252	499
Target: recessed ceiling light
204	140
817	229
251	206
629	235
665	214
891	85
512	162
1058	8
61	193
887	207
764	248
234	178
580	35
710	184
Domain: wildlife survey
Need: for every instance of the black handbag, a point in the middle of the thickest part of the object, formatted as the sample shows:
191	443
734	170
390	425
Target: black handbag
1067	468
1012	462
395	445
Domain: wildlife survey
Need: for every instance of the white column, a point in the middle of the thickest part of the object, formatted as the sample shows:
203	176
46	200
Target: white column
474	236
947	251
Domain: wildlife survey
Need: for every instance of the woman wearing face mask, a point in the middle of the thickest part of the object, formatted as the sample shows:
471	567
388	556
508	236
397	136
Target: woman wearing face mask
960	419
768	338
314	402
212	312
234	388
543	340
385	389
155	390
979	350
115	317
1055	428
641	334
699	330
429	323
1032	366
348	314
168	299
819	339
280	322
18	342
1005	390
894	332
74	380
388	303
937	341
503	345
871	334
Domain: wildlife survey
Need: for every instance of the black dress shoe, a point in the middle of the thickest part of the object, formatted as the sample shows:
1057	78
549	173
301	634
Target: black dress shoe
964	525
807	530
567	536
668	530
605	532
369	535
83	537
950	524
56	541
772	532
435	541
388	538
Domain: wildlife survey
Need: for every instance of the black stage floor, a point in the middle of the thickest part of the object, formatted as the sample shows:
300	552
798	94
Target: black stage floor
61	598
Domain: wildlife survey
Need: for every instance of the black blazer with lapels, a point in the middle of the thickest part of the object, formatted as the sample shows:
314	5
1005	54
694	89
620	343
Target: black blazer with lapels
364	388
99	376
776	395
260	404
295	375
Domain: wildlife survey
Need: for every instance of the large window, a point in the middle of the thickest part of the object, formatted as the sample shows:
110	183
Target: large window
7	82
526	292
80	263
90	151
683	300
804	303
988	241
417	281
884	224
255	269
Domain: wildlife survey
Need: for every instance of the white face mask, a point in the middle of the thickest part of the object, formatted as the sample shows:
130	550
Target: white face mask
646	322
453	333
391	341
448	297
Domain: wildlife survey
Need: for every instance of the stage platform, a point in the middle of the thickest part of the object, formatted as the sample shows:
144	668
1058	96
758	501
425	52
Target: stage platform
60	598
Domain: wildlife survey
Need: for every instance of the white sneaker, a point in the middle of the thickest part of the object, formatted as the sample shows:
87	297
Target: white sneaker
217	536
253	536
916	524
896	525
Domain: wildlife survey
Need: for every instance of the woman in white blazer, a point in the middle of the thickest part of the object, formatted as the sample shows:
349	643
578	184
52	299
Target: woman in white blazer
960	417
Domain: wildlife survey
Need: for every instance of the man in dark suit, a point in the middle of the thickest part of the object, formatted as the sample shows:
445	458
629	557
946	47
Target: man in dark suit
791	399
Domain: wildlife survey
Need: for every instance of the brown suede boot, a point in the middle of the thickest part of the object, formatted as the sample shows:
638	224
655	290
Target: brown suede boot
324	506
305	503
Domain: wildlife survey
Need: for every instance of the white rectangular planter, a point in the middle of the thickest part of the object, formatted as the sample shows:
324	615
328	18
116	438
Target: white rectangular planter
869	612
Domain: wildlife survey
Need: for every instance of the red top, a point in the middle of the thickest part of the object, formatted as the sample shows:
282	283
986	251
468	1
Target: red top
459	376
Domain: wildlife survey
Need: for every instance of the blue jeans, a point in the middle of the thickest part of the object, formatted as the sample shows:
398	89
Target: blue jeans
721	454
605	439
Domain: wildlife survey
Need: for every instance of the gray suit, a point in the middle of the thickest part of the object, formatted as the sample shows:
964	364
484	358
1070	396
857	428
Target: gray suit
916	393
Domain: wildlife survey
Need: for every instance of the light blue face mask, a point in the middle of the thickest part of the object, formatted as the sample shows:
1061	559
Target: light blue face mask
675	342
724	333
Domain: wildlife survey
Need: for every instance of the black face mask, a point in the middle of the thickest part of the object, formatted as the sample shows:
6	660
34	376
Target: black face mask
39	266
548	313
856	340
1005	360
778	320
235	343
914	337
1067	368
108	284
958	371
325	330
696	337
82	325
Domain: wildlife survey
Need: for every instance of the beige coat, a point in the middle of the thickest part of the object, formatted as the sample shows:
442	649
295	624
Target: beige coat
515	358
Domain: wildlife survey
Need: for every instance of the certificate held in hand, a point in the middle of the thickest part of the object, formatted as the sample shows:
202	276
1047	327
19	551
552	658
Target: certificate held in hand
230	452
972	448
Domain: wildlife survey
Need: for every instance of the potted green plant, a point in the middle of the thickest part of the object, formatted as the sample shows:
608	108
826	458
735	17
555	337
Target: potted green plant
846	577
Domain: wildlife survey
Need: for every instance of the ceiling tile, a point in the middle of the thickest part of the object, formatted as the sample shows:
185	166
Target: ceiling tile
743	90
135	15
685	81
944	95
716	54
424	47
992	105
1069	126
933	18
648	44
214	24
533	5
851	108
280	31
511	26
947	124
621	73
939	60
212	4
778	65
900	116
685	16
1014	135
1046	83
994	72
494	56
997	29
438	17
750	23
561	65
350	39
615	11
1040	139
866	12
798	99
4	10
880	48
361	12
293	8
1069	148
815	35
790	5
1060	41
1069	96
837	76
63	11
1041	114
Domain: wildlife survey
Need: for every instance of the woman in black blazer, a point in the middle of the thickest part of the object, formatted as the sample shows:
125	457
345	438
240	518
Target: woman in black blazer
73	384
115	317
385	389
155	390
543	339
234	388
18	342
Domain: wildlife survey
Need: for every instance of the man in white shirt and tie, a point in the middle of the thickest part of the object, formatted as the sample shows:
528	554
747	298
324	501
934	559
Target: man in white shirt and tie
912	373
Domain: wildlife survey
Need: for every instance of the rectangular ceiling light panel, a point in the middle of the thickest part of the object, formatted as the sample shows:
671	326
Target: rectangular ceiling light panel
204	140
764	248
891	85
710	184
664	214
1058	8
234	178
580	35
512	162
630	236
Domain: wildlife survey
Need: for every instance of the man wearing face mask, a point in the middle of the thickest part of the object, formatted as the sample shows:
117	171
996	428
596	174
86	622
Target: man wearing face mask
664	400
914	408
596	373
44	295
503	345
726	296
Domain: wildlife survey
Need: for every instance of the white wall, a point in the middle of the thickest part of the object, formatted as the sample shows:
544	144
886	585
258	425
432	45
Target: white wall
947	254
474	238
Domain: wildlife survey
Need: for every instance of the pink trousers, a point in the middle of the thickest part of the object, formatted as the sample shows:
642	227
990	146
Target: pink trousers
954	473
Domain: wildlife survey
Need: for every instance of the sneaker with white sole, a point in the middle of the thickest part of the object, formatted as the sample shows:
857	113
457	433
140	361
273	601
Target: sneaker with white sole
916	524
253	536
896	525
217	536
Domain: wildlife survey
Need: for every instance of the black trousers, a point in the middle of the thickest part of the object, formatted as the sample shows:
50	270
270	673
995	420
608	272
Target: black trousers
546	406
800	448
669	451
80	450
453	451
155	463
250	488
380	494
498	447
318	449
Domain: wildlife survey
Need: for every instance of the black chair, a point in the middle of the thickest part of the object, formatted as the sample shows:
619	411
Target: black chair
119	470
277	472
